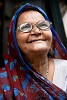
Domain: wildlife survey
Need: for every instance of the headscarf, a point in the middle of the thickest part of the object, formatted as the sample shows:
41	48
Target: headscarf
19	80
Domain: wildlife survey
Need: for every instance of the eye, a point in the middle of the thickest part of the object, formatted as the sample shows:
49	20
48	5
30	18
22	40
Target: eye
43	25
25	27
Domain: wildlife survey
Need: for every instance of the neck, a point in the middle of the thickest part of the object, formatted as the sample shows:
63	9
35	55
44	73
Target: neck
39	62
41	66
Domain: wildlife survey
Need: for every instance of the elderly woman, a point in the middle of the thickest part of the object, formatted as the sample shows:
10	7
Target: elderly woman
31	71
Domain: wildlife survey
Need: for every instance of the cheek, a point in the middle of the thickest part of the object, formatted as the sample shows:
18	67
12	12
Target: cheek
48	35
20	39
51	36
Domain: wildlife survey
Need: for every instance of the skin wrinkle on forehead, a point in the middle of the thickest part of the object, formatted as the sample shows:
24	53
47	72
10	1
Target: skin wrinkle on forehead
33	18
30	21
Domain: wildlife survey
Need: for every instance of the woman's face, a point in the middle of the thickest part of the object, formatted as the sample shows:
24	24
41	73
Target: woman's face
36	40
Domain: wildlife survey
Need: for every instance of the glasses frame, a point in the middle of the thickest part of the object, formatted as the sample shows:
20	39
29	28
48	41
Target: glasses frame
32	25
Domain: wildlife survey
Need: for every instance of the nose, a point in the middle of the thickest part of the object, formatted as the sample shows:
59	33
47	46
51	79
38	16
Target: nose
36	30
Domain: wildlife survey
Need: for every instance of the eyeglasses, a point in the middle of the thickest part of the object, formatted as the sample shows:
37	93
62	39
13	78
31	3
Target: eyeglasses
27	27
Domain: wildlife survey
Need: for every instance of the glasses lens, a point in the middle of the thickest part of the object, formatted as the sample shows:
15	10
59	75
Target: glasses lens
43	25
25	27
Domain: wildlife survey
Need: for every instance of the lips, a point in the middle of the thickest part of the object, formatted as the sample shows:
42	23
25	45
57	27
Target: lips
36	40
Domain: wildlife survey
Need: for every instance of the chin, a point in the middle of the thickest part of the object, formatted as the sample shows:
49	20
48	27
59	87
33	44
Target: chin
38	50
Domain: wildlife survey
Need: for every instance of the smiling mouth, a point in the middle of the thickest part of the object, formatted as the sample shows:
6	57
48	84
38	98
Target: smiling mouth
36	41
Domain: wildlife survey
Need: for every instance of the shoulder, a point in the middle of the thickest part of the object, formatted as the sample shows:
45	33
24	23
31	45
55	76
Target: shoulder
60	73
61	66
4	82
3	75
60	62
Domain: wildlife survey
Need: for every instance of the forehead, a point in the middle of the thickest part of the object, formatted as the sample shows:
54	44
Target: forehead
30	16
